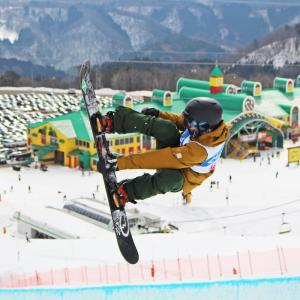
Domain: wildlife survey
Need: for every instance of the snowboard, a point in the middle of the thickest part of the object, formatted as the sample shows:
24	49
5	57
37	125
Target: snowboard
119	219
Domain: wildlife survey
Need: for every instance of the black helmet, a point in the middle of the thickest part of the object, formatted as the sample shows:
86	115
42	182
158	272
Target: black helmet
205	113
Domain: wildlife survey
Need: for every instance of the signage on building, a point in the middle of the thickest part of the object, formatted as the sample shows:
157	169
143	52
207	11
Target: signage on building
253	136
294	155
248	137
262	135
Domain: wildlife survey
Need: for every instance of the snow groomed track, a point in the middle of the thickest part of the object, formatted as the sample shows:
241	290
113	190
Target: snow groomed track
287	288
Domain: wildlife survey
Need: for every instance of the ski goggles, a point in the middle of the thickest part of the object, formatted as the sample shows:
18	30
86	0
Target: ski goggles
192	123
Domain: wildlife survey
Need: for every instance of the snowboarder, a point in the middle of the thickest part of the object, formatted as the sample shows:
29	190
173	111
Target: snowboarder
188	147
27	237
227	197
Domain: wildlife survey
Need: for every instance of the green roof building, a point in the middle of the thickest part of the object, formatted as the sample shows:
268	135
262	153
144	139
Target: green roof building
68	140
258	118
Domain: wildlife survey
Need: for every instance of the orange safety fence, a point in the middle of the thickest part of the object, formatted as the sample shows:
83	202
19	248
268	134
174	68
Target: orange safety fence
248	264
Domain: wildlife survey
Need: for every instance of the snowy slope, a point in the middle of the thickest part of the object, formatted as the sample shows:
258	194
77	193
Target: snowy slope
280	47
278	53
250	218
254	195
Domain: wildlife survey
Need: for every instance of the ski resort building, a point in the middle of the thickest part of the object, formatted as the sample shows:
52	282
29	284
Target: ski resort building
68	140
258	119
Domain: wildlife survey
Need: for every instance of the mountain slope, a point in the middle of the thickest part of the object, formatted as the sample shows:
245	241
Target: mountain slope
279	48
25	68
63	33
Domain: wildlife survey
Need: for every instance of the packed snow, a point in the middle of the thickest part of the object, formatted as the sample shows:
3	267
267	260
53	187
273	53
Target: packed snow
224	217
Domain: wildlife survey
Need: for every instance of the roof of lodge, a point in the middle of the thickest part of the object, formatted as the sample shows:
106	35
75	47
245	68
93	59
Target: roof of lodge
272	102
72	125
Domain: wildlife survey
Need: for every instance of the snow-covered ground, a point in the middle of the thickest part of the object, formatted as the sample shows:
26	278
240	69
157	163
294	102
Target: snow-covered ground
243	214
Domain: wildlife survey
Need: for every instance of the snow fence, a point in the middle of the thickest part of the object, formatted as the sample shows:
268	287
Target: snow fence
273	263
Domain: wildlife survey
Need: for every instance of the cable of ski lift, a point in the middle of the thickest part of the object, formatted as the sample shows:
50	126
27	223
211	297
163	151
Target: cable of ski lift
240	214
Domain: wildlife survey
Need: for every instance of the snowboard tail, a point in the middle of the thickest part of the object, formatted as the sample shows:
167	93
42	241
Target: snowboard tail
120	222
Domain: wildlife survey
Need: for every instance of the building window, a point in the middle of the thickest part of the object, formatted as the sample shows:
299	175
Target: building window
43	139
131	140
117	142
138	139
53	139
42	130
146	141
87	144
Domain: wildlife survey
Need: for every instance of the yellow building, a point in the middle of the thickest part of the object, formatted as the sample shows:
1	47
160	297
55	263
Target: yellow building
68	140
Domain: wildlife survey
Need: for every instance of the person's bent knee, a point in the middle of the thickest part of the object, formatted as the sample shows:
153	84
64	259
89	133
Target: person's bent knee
166	132
170	180
178	180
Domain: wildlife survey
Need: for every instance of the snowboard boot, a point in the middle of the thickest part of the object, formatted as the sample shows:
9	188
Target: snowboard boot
107	122
120	195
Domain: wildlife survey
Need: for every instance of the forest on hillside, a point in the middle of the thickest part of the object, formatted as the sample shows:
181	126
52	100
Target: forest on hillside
148	76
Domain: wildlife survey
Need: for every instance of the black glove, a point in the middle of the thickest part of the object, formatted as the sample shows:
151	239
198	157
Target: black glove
150	111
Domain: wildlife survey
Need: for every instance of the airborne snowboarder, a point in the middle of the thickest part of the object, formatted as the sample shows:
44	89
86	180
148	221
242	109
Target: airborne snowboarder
120	222
188	147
